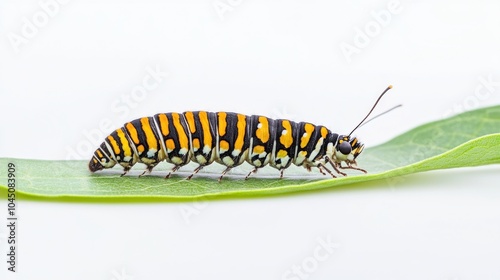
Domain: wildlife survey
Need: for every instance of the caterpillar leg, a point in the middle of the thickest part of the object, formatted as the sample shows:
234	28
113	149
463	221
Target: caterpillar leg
322	167
335	166
350	166
252	172
196	170
125	170
224	173
148	170
321	170
172	171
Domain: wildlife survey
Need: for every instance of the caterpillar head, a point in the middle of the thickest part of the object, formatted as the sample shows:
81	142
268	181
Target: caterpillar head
347	149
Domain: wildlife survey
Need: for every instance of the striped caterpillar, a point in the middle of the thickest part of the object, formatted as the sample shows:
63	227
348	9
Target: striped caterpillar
229	139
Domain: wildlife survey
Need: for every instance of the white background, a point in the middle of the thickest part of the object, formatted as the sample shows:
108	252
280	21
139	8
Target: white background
67	69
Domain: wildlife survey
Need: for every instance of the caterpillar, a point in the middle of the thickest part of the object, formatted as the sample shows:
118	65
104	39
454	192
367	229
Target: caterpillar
229	139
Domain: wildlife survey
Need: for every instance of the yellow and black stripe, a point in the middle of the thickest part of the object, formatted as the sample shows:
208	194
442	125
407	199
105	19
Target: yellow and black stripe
262	131
144	141
233	140
121	149
225	137
311	143
286	144
175	138
202	127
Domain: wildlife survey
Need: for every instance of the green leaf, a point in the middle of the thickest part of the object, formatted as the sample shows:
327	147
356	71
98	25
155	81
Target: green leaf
468	139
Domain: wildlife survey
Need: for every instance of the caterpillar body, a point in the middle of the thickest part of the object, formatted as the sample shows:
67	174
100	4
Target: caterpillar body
228	139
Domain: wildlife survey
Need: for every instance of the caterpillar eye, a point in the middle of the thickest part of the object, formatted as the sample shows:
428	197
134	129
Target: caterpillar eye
345	148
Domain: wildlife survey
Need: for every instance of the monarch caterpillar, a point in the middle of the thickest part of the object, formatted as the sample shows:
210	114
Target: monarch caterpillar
229	139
